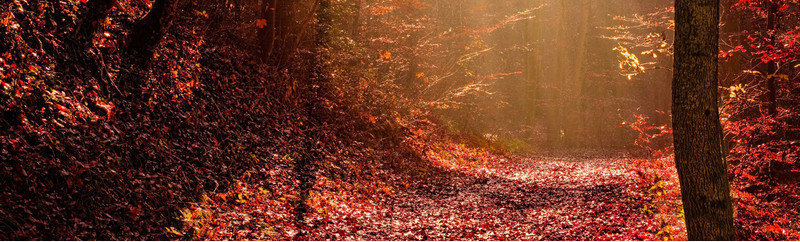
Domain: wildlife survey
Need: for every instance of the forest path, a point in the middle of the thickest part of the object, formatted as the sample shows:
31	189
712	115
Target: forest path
518	199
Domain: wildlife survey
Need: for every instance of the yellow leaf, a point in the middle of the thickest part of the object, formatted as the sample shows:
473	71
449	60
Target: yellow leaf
172	230
386	55
779	76
387	190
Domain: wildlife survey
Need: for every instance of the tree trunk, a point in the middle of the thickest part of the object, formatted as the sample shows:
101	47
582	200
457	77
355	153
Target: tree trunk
772	65
576	76
555	78
148	32
304	167
285	13
356	19
267	34
697	131
142	41
532	74
306	22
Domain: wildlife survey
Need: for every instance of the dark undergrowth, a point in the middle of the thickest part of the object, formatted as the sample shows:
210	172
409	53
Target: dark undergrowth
85	158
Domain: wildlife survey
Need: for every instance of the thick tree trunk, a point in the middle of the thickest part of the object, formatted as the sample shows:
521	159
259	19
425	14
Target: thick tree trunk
697	131
148	32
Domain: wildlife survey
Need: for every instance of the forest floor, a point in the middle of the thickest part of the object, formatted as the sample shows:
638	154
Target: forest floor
525	198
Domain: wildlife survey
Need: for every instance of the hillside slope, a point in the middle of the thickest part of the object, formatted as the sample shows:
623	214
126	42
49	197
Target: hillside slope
85	157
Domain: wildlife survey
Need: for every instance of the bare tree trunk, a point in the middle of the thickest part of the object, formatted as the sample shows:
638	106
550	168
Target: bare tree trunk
142	41
697	131
577	76
532	73
148	32
284	24
354	31
267	34
304	167
772	65
555	77
306	22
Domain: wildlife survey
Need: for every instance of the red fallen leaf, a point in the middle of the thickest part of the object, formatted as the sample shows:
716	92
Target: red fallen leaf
134	212
775	228
748	176
470	235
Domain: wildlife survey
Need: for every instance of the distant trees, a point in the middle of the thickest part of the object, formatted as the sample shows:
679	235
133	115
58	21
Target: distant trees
699	157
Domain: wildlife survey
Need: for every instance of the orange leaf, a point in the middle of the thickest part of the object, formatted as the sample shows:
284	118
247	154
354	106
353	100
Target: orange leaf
261	23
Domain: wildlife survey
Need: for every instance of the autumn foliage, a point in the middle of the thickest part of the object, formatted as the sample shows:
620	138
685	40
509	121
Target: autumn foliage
758	83
321	119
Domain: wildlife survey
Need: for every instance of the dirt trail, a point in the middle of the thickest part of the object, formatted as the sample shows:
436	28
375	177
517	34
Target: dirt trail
524	199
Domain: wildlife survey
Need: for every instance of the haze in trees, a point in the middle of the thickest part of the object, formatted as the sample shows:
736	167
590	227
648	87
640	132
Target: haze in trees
399	120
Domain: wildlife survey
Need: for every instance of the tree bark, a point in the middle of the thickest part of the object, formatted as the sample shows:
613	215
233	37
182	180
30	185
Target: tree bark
142	41
148	32
772	65
697	131
306	21
267	34
576	76
285	21
532	73
356	19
